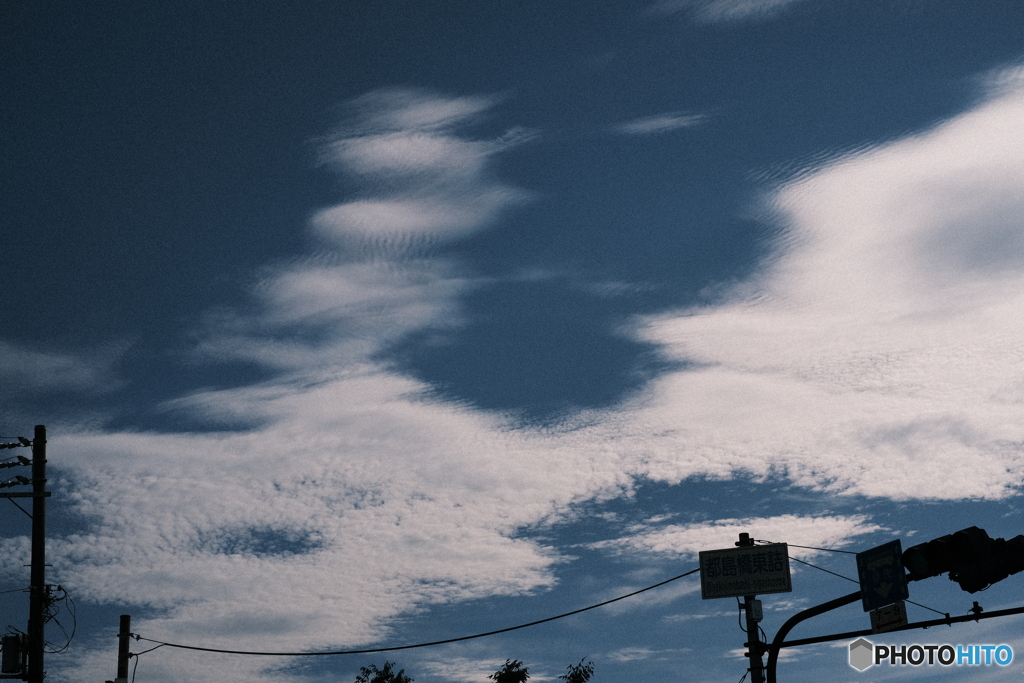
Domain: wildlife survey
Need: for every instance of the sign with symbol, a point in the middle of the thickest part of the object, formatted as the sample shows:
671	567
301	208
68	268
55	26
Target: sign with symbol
883	580
748	570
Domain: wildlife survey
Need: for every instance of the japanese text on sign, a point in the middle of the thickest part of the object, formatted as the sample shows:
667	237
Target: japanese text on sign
742	571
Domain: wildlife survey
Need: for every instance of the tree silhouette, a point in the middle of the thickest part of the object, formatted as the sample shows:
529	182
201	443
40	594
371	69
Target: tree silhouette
371	674
512	672
578	673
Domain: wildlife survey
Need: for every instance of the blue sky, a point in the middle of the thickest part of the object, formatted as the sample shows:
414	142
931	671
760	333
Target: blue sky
364	324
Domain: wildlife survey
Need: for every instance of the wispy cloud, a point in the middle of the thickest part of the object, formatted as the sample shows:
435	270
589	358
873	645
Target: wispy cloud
31	370
636	654
405	109
878	351
661	598
660	123
832	532
423	181
465	670
349	469
723	10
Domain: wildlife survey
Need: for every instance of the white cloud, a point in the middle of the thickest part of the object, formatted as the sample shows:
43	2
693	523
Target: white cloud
657	598
325	315
388	222
632	654
411	502
878	352
660	123
353	497
406	109
464	669
30	370
687	540
723	10
426	182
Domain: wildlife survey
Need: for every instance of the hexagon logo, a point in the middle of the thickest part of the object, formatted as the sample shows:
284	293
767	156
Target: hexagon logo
862	654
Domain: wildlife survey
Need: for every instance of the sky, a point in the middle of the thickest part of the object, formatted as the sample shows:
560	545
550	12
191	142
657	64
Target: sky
359	325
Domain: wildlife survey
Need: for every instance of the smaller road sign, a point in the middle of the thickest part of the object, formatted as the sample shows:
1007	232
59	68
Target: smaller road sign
883	580
748	570
889	617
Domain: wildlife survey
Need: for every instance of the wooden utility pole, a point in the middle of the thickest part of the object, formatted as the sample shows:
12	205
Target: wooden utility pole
37	588
15	648
123	642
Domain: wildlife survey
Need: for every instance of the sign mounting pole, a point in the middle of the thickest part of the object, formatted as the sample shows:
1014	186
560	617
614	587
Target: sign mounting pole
754	644
747	571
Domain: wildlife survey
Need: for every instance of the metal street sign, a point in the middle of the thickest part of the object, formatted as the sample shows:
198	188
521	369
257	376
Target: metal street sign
748	570
883	580
890	617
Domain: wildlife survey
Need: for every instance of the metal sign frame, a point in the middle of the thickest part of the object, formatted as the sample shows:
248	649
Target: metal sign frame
883	580
747	570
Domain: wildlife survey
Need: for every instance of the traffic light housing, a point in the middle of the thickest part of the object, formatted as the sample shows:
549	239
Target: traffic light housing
945	553
972	559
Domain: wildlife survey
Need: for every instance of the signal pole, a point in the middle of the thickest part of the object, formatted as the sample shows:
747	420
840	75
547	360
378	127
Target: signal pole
37	589
754	645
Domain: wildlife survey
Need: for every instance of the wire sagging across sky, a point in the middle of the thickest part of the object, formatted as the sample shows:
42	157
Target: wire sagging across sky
417	645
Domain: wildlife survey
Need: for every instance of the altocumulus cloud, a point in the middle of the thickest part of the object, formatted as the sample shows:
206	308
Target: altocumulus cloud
239	538
876	353
687	540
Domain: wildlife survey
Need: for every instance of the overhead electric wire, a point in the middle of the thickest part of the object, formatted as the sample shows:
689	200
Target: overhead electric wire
417	645
812	566
51	612
20	508
810	547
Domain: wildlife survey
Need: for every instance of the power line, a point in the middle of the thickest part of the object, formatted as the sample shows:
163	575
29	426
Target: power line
410	647
811	547
857	582
826	570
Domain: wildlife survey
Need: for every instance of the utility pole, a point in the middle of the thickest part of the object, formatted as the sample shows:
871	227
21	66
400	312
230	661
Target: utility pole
123	642
754	645
15	648
37	589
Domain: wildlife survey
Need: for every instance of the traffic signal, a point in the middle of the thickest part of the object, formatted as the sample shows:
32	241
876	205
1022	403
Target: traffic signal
1004	558
944	553
972	559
